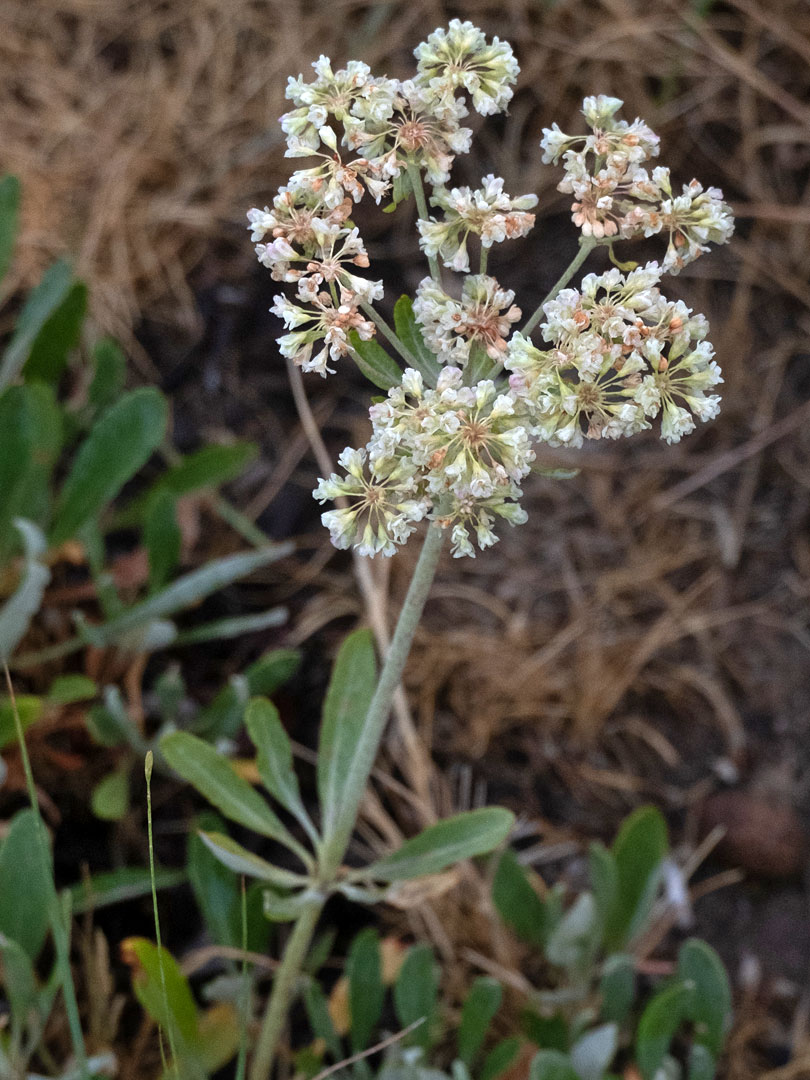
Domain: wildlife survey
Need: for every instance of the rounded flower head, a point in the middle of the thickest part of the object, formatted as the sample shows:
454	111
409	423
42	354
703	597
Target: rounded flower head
615	196
382	507
487	212
484	316
460	57
621	353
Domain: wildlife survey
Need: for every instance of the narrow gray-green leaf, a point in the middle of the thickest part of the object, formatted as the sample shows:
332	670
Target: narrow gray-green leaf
19	980
410	334
374	362
242	861
280	907
235	626
215	888
351	689
447	842
206	468
202	766
223	717
189	590
117	446
18	611
40	305
9	217
275	759
17	444
117	886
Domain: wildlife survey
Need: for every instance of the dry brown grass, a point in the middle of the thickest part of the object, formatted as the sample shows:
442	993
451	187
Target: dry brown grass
652	618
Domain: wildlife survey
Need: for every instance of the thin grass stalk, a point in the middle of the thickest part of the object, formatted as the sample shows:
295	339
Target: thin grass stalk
58	931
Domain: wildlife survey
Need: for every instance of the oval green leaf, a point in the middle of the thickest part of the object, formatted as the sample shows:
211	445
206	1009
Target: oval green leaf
211	774
710	1012
366	990
345	709
477	1012
639	851
659	1022
517	902
374	362
552	1065
9	216
118	445
242	861
26	885
275	759
409	333
40	305
447	842
416	994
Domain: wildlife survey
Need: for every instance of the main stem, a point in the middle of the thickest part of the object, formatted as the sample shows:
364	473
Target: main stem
586	246
334	849
284	981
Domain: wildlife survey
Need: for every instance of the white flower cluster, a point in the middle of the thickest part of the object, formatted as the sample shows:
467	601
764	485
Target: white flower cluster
615	196
621	354
488	212
365	132
484	315
454	438
455	452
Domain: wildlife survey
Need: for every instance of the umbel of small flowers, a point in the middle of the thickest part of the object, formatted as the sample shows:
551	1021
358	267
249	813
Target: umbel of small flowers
454	438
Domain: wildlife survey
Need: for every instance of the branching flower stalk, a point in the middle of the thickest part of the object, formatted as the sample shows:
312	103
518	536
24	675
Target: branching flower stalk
454	438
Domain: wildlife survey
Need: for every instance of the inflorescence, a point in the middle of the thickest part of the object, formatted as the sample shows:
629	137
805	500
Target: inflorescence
453	441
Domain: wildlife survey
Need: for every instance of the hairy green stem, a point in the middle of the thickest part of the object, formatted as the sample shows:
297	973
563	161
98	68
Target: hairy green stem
295	952
387	332
415	176
57	920
482	264
586	246
334	847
